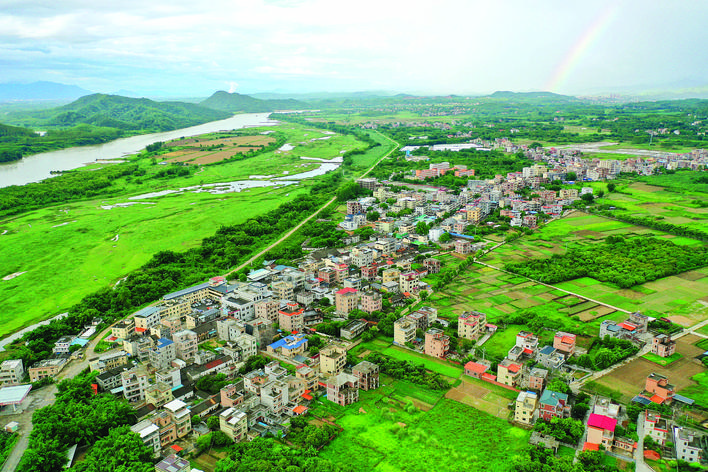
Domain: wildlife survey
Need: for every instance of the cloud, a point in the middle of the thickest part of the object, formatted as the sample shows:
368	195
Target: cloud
449	46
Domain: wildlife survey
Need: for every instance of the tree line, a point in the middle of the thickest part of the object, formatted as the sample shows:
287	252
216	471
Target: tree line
620	261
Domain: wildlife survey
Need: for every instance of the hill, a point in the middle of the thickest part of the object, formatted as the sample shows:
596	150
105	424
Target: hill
130	114
41	91
236	102
533	97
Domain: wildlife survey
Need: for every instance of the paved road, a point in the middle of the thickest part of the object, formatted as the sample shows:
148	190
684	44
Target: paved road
292	231
639	451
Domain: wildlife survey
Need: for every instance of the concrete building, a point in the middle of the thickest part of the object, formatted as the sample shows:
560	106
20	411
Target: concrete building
371	302
342	389
353	329
149	433
162	355
689	444
368	375
108	361
553	404
134	383
346	300
663	346
234	423
404	331
185	344
656	426
179	412
471	325
267	309
564	343
509	373
147	317
408	281
11	372
526	403
46	368
290	317
437	343
332	359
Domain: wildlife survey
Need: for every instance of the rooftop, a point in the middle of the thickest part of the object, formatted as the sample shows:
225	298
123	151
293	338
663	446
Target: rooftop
14	395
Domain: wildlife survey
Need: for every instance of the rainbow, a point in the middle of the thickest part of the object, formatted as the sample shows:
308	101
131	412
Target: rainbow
580	48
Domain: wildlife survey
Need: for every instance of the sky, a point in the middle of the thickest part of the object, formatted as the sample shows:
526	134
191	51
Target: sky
191	49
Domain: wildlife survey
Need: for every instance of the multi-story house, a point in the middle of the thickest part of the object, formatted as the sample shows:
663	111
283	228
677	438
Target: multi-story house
180	415
437	343
420	318
282	290
463	247
342	389
408	281
368	375
471	325
149	433
274	395
601	430
509	373
11	372
404	331
663	346
162	355
290	317
432	265
371	302
353	329
689	444
234	423
564	343
267	309
134	383
289	346
108	361
332	360
390	275
362	256
550	358
537	379
346	300
660	386
525	408
62	345
158	394
185	344
553	405
46	368
147	317
656	426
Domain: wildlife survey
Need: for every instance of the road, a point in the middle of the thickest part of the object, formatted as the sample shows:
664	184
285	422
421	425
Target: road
292	231
639	451
46	395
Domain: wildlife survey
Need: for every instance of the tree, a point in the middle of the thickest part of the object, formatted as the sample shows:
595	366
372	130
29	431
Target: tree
421	228
611	187
571	176
122	450
587	198
445	238
373	216
213	423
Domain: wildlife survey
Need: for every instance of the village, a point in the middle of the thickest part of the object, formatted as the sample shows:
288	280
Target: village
247	356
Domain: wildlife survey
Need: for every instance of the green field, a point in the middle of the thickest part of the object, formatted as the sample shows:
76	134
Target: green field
698	392
432	364
67	251
384	435
662	361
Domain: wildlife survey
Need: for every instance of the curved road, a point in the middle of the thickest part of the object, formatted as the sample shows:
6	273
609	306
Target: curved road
299	225
45	396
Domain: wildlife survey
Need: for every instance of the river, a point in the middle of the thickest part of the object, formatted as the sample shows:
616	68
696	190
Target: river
38	166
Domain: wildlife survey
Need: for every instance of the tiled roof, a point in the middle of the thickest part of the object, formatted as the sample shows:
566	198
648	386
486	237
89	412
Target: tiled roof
602	422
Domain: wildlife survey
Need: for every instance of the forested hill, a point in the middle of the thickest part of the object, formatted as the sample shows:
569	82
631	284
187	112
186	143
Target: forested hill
10	131
535	97
236	102
125	113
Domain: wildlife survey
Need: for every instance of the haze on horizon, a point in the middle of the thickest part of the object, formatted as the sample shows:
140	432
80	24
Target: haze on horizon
176	48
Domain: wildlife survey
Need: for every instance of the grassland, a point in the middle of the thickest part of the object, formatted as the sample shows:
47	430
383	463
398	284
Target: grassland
65	252
383	434
680	297
662	361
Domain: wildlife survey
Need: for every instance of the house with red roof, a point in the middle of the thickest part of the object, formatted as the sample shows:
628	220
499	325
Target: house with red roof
601	430
475	369
346	300
661	388
564	343
509	373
